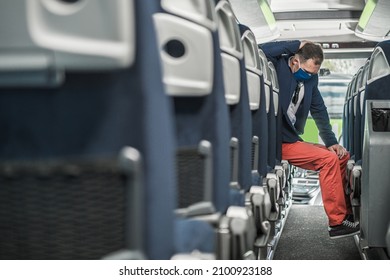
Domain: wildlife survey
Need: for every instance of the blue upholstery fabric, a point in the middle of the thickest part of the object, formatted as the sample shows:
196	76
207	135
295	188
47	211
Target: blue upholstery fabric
375	90
260	129
96	114
259	126
198	118
346	120
351	128
194	235
271	134
236	197
207	118
358	137
241	128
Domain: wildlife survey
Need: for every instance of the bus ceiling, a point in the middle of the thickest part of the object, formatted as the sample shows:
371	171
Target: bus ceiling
345	28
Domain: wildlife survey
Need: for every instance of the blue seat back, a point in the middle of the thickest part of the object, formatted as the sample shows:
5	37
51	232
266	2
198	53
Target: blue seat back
253	65
358	109
190	51
346	117
235	81
351	114
262	119
375	215
278	115
102	99
378	74
355	101
272	118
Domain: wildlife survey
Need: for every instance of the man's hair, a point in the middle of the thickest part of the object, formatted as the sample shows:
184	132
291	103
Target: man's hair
311	50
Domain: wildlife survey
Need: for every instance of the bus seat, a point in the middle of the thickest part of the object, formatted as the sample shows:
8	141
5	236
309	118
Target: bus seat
358	133
253	68
187	52
275	88
37	47
281	167
278	115
353	174
271	119
375	193
354	169
49	208
258	196
189	39
275	162
271	179
240	118
109	96
373	76
351	128
261	129
357	114
345	132
375	211
278	169
378	74
253	82
361	102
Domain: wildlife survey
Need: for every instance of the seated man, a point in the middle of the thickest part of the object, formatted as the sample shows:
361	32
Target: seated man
297	64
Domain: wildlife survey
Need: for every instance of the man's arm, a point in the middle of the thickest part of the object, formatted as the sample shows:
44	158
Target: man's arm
276	49
320	115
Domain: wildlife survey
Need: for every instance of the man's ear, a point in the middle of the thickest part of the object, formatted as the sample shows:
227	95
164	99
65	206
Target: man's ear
295	60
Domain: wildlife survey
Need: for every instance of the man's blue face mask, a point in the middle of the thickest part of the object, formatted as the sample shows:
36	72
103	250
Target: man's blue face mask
301	75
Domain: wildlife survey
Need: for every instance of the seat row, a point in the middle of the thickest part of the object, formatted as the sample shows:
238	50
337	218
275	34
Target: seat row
154	135
366	135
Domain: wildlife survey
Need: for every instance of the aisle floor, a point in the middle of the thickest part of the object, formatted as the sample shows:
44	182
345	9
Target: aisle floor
305	237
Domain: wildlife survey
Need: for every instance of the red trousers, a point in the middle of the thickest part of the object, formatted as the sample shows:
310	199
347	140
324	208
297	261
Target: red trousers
332	175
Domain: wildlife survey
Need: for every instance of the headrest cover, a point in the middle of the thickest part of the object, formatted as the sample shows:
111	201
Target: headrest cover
80	36
379	65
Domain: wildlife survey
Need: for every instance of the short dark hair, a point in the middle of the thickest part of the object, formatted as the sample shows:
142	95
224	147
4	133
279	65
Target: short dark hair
313	51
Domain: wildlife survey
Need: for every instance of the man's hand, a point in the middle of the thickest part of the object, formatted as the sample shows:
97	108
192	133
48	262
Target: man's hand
339	150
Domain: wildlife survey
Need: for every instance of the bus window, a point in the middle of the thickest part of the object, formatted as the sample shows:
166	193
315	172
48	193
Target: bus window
333	84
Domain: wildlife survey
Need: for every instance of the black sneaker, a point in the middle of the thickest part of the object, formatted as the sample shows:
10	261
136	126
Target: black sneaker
351	218
346	228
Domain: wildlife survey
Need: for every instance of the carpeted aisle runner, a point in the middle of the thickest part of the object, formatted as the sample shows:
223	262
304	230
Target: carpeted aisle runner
305	237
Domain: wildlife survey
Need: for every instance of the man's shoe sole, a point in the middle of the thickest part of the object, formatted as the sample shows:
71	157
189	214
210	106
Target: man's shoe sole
344	235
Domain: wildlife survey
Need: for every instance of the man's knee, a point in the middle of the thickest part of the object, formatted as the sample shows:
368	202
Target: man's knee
345	158
331	158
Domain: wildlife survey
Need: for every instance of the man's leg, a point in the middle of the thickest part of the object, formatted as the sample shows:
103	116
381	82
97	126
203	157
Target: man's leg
316	157
343	168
